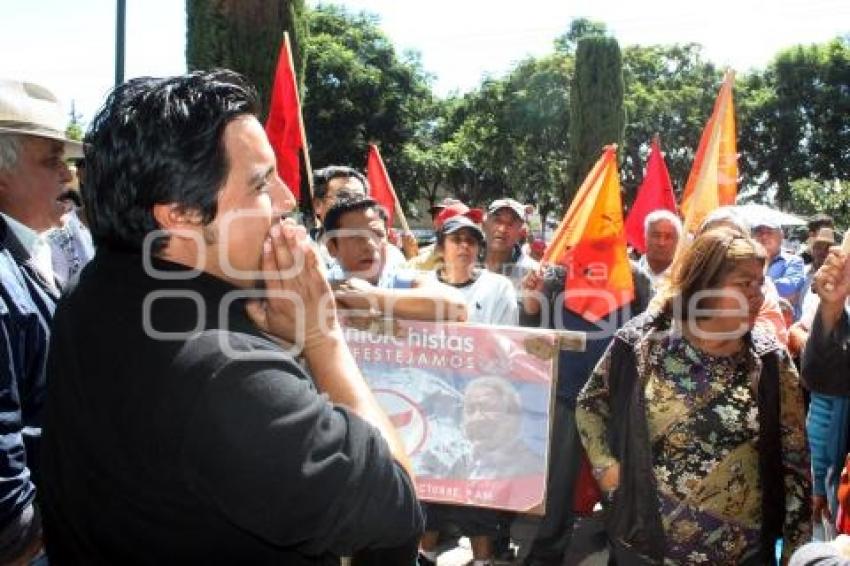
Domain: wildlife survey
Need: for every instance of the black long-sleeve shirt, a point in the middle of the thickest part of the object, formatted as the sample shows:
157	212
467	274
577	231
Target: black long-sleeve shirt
826	361
214	447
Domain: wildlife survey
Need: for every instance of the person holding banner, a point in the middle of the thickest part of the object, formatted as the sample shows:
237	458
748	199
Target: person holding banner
490	299
505	228
693	420
356	237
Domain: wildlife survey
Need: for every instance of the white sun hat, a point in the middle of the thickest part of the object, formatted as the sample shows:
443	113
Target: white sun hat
32	110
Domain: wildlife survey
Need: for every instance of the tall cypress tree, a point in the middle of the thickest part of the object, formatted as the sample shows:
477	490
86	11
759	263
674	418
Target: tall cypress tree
597	112
245	36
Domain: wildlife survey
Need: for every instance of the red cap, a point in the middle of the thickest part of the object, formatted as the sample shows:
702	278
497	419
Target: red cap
538	245
474	214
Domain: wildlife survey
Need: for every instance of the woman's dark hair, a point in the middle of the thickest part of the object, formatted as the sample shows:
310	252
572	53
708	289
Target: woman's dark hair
160	141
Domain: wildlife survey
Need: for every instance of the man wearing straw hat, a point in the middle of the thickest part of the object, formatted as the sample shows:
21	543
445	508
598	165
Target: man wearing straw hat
33	149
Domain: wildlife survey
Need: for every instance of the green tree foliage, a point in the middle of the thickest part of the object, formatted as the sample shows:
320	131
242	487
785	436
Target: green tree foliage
358	90
244	35
74	129
509	137
832	197
597	112
670	91
579	28
794	119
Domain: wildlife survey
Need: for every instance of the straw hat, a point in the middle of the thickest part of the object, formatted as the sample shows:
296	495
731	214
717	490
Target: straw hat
32	110
824	236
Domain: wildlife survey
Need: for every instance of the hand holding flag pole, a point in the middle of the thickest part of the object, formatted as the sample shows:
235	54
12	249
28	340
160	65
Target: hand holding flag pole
590	244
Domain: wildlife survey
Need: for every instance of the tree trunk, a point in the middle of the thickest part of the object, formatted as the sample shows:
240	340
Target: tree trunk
245	36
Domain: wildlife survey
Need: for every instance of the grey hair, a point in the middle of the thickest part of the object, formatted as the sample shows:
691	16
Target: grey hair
663	214
10	150
725	216
508	393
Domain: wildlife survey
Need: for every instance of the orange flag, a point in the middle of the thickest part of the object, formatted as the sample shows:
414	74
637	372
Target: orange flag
713	180
283	126
591	244
380	186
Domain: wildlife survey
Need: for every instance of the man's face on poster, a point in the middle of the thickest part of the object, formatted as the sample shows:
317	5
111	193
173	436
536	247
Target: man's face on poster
490	420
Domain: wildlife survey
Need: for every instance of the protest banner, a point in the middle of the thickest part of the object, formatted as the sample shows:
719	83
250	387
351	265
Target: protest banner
472	404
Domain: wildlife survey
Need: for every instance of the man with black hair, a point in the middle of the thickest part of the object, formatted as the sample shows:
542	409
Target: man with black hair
333	182
183	425
356	236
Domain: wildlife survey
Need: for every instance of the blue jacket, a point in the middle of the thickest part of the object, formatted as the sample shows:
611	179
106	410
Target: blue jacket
27	303
826	427
788	274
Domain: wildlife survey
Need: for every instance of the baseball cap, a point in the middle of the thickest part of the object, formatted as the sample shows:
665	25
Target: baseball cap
538	245
460	222
517	207
824	235
766	222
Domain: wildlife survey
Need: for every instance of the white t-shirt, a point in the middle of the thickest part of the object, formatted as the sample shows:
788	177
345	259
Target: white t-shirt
490	299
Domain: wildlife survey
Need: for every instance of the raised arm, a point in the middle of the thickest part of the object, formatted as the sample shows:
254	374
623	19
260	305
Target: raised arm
826	362
313	325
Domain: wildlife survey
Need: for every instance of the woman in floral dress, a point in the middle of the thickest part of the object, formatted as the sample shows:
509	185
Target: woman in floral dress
693	421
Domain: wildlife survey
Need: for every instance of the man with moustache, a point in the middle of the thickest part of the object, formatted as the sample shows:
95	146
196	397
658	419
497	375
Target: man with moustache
33	149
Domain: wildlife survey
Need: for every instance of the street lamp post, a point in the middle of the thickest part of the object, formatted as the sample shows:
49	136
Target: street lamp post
120	25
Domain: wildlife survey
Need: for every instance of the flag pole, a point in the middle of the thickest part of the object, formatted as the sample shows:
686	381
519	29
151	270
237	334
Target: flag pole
305	147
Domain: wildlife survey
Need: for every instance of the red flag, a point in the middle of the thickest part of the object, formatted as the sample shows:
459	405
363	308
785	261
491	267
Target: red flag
380	186
283	126
654	193
591	244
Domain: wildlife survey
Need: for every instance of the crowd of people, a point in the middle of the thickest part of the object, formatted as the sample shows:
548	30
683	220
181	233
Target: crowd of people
186	393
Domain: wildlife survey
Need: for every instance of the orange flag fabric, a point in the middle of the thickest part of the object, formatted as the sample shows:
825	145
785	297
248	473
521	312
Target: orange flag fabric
283	126
654	193
713	180
591	244
380	186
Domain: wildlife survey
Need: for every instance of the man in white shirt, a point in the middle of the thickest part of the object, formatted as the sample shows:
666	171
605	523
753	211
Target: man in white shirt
663	230
33	149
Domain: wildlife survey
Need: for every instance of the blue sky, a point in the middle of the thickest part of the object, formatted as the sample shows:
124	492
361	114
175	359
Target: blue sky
69	45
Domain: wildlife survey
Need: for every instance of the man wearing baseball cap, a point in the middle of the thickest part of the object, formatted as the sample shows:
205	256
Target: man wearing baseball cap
505	229
33	149
784	269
